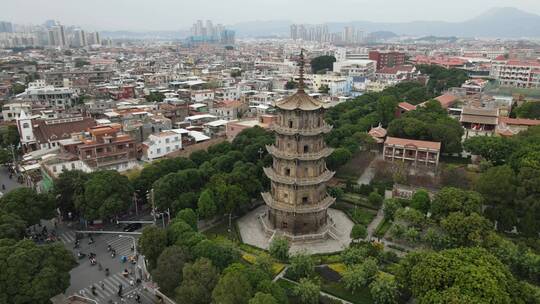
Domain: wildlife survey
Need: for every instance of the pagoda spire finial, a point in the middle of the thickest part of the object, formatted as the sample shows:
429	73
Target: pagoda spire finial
301	79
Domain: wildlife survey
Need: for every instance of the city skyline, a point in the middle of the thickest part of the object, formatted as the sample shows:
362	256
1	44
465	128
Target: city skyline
141	15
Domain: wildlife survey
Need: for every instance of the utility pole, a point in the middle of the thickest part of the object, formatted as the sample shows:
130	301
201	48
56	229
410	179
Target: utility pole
153	204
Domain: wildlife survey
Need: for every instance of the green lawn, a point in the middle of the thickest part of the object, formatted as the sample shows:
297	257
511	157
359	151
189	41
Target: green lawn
356	166
361	216
382	228
362	296
359	200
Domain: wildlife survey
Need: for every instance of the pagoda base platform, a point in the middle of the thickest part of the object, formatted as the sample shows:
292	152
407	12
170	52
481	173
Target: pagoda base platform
256	230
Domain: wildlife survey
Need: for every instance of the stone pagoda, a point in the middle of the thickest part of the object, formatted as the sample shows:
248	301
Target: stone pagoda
298	202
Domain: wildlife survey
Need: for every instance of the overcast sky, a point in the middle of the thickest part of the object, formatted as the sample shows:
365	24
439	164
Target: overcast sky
180	14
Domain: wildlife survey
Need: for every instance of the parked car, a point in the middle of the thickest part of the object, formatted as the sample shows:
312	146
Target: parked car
132	227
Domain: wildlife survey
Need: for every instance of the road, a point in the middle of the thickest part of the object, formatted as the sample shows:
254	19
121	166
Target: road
8	183
85	275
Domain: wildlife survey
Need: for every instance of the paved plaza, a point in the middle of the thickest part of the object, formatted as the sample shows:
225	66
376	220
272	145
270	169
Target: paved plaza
252	233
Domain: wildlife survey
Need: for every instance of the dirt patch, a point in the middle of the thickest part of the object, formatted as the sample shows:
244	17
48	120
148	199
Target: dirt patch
356	166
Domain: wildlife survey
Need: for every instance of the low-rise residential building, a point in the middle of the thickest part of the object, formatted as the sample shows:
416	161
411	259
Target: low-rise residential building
417	152
36	133
397	74
228	109
12	111
57	98
235	127
337	85
107	148
361	68
161	144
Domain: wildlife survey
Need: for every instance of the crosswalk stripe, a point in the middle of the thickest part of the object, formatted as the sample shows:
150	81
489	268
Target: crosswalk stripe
119	281
107	292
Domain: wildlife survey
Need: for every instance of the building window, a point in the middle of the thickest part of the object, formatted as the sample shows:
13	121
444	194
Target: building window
287	171
306	148
304	200
284	225
25	125
72	166
290	124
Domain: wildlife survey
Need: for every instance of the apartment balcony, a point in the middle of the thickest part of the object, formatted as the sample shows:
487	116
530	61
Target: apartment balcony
300	156
305	132
299	181
307	208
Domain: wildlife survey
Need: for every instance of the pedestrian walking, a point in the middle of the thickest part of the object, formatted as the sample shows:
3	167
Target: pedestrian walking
102	285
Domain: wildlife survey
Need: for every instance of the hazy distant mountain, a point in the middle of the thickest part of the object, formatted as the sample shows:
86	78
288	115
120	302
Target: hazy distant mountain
145	35
262	28
503	22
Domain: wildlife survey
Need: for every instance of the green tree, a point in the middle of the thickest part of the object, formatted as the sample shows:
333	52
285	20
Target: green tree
421	201
453	199
497	185
308	291
384	289
324	89
338	158
28	205
151	243
263	298
18	88
168	272
199	279
354	255
106	193
322	63
189	216
302	266
67	188
158	169
375	199
206	205
5	156
155	97
390	207
530	109
11	226
466	230
33	273
279	248
360	275
386	108
221	254
168	188
494	149
232	288
528	225
291	84
462	275
358	232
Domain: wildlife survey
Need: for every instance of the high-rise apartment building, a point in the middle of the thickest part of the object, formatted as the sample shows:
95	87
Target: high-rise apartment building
6	27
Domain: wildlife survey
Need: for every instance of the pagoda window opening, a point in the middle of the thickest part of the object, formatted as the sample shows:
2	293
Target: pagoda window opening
304	200
290	123
288	171
306	148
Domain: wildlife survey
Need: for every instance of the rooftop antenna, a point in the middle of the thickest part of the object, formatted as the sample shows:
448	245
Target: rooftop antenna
301	79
